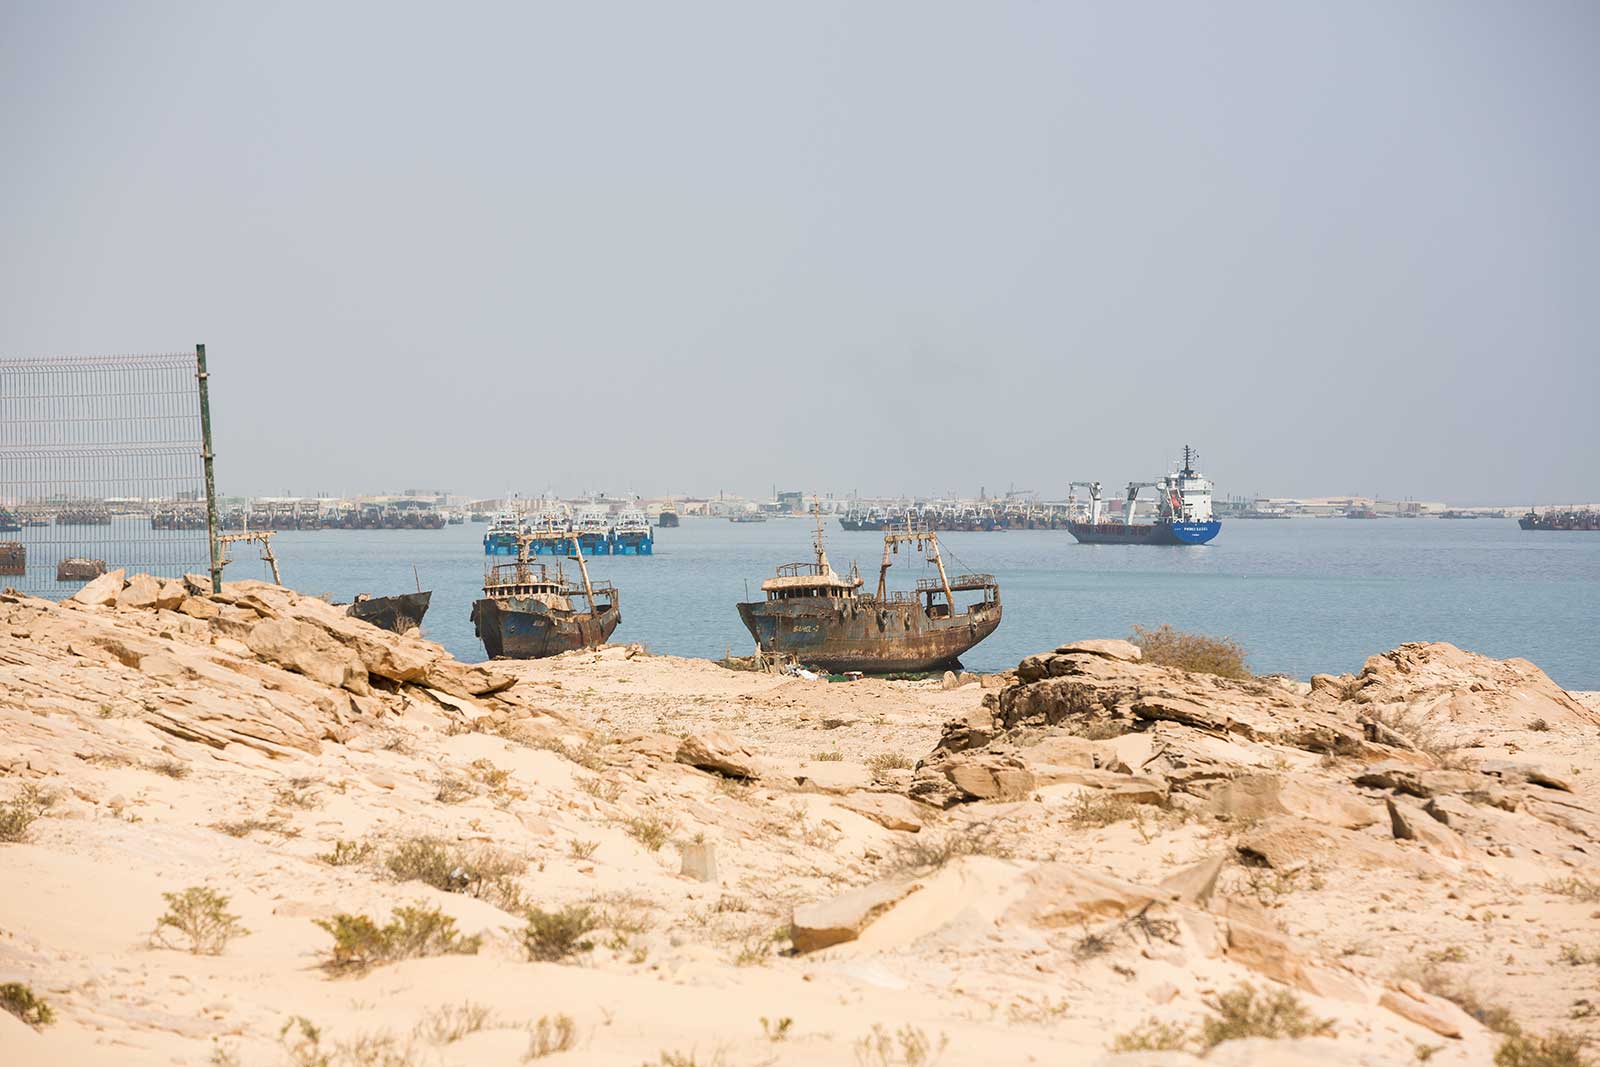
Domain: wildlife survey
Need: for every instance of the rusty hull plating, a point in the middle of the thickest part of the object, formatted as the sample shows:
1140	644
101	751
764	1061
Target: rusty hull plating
817	614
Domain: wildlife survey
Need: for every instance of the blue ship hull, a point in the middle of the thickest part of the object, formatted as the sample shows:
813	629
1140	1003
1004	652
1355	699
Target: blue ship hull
1157	533
629	544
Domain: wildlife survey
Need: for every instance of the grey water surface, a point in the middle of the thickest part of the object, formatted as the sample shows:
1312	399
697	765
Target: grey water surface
1302	595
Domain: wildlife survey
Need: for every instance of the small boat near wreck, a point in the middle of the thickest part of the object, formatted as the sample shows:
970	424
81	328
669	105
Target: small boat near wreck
529	610
400	614
819	616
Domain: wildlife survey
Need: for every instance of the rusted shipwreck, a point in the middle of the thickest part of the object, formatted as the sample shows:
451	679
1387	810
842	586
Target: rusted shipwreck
529	610
400	613
820	617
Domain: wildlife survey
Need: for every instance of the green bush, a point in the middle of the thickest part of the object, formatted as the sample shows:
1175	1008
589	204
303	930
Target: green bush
411	933
651	831
484	872
1197	653
1518	1049
552	936
199	916
1246	1013
20	1001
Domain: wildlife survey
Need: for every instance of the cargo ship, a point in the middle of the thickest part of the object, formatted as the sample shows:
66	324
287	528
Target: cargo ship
1569	519
668	517
401	613
820	617
1183	515
528	609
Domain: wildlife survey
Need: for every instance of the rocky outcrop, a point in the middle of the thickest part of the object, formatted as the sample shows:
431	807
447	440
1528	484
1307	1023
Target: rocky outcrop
255	665
720	753
1437	685
833	922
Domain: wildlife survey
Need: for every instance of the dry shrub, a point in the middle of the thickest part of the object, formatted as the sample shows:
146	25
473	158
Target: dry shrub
452	1022
553	936
412	932
348	853
302	1045
1240	1013
453	789
549	1036
484	871
1456	986
651	831
930	851
1245	1013
1153	1035
170	767
906	1047
199	915
1584	889
19	813
250	824
828	757
298	793
1196	653
21	1001
1090	811
890	761
1558	1049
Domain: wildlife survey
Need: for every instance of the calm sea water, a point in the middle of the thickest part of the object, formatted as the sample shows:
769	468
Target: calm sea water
1302	595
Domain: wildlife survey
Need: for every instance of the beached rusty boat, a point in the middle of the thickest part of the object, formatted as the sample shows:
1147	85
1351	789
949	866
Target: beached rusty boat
820	616
401	613
13	558
529	610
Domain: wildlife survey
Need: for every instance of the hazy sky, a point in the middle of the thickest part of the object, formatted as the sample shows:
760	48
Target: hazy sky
682	247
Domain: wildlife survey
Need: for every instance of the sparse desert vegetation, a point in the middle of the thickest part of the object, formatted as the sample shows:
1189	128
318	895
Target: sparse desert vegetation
1166	647
436	878
412	932
21	1001
19	813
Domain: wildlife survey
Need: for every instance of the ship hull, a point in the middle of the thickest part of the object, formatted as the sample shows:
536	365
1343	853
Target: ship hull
667	519
865	636
632	542
1165	533
399	614
524	628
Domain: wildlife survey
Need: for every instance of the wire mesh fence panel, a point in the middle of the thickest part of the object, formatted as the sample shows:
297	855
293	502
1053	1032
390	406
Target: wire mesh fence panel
101	468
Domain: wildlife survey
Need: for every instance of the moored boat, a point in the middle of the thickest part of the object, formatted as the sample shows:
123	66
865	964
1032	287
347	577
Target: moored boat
79	569
820	616
528	609
1566	519
632	535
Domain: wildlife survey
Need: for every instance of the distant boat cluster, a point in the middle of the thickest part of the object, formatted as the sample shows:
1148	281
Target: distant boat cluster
597	531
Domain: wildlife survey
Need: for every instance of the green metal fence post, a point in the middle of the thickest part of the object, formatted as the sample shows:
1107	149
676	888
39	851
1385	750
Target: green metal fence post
209	457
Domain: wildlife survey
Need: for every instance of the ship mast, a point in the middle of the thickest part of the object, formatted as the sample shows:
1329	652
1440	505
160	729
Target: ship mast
816	542
924	540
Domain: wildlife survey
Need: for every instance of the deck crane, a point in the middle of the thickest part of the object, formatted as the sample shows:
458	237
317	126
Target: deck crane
1094	499
1133	499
